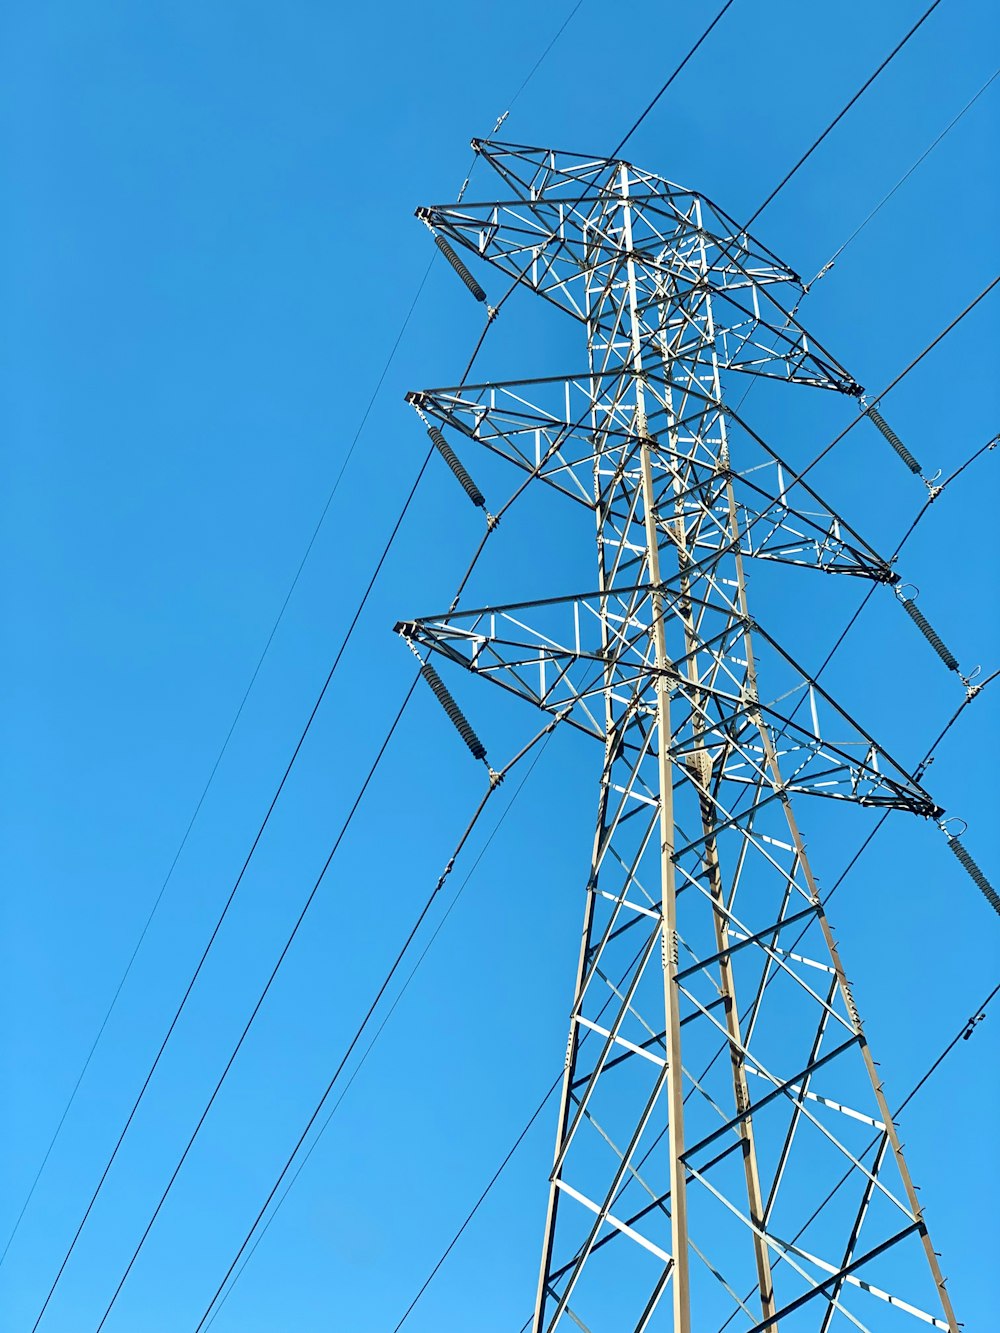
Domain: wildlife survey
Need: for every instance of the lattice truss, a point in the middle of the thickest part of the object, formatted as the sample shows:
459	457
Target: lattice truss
725	1158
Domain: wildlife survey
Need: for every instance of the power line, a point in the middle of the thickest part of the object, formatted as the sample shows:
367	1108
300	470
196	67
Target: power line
208	947
937	1
256	671
386	982
277	622
233	891
480	1201
534	69
889	194
215	766
921	514
253	848
263	994
816	142
904	178
843	112
287	1165
965	1033
381	1027
794	478
622	142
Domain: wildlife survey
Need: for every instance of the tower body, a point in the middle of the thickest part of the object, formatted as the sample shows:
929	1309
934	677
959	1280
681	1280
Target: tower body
724	1156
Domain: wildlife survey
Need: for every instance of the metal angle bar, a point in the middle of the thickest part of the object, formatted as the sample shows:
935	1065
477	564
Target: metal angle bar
866	1198
657	1201
616	1222
605	1208
584	1101
777	1091
653	1302
635	907
660	1203
786	1147
596	951
849	1277
629	1046
834	1106
767	971
783	966
807	962
659	1038
616	991
633	1170
784	1253
847	1274
856	1162
748	939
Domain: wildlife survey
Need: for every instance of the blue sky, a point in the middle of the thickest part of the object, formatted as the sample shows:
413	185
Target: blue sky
208	250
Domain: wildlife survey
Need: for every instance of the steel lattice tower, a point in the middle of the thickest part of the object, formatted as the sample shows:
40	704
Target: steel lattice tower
725	1157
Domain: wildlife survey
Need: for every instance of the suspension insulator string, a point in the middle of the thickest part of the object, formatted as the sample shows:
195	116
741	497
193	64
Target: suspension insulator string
974	872
459	471
894	440
455	715
929	633
460	268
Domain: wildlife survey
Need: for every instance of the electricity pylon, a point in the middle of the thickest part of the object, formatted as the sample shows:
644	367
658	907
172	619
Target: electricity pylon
725	1157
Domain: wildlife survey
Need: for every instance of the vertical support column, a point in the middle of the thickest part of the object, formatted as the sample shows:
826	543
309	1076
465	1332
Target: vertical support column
573	1040
681	1286
727	980
681	1277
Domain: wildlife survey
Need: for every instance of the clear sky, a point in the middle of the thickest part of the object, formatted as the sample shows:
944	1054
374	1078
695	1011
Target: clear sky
208	249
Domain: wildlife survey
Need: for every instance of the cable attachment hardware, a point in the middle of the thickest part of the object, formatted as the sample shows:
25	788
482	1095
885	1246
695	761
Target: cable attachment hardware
460	268
821	274
894	440
460	474
971	688
455	714
969	865
970	1027
926	628
933	489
